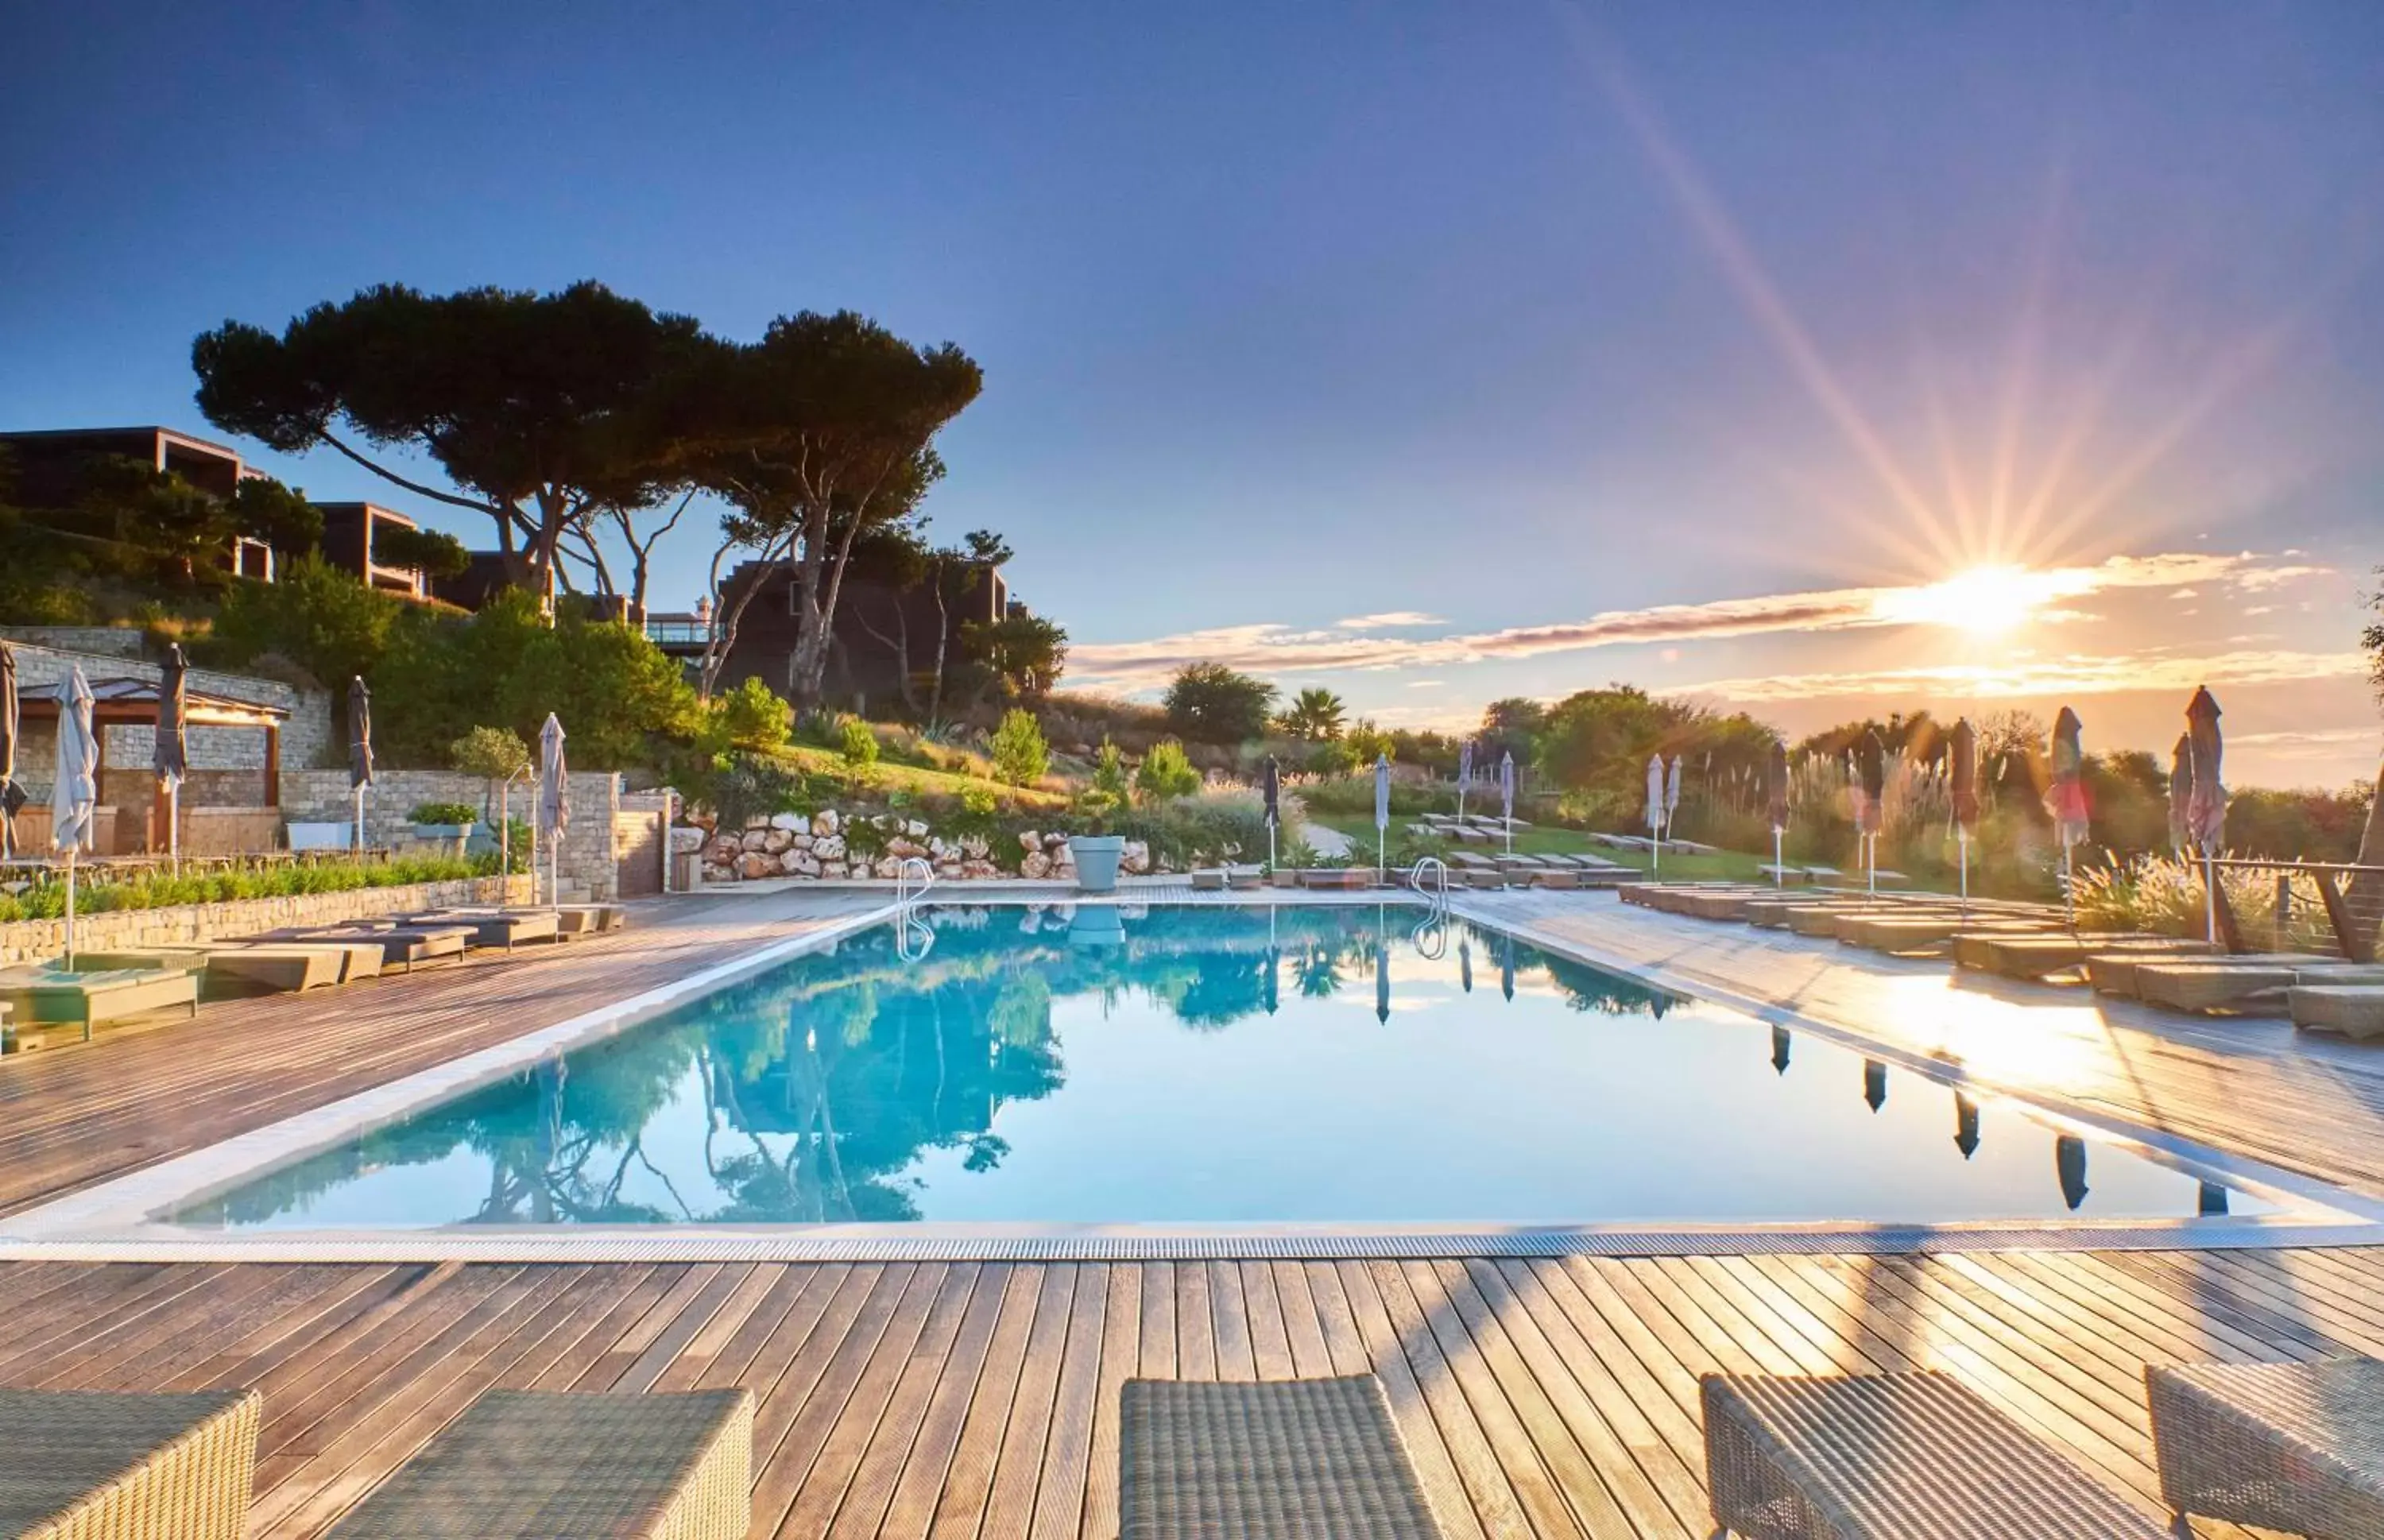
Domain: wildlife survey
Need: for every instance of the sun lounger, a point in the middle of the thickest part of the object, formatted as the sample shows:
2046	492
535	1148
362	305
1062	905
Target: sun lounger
39	995
506	929
1552	879
1336	878
1914	1456
2352	1010
2036	956
273	968
1483	877
1935	935
1282	1460
1786	873
1468	859
2113	973
529	1465
2292	1447
401	946
1816	919
90	1465
1208	882
1243	878
2241	987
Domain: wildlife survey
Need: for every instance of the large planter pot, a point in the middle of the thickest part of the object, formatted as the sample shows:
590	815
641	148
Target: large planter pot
1096	857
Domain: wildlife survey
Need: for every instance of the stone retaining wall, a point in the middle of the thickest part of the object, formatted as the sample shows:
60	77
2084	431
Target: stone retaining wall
35	940
821	845
588	873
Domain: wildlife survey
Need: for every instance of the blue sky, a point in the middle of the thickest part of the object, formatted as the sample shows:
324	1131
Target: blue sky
1489	319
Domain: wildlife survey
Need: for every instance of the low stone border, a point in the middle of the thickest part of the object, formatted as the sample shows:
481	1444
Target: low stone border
123	929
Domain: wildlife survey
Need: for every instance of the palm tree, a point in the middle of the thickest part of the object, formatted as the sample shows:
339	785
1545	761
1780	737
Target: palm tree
1314	714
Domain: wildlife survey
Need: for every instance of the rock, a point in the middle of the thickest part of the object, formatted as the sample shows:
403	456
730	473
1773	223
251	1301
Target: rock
936	848
722	851
950	869
683	837
718	874
889	866
979	870
1031	842
915	829
975	847
801	863
901	846
787	859
1034	866
829	847
825	820
835	869
1055	841
753	866
778	842
753	839
1135	857
759	821
805	840
788	822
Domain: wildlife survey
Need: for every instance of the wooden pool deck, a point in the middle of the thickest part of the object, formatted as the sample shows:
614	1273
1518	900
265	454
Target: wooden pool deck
1538	1396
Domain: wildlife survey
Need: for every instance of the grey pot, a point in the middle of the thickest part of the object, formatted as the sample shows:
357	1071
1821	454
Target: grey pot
1096	857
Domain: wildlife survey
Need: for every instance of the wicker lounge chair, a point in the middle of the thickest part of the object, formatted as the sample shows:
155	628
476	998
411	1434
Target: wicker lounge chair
2113	973
2353	1010
2293	1447
2039	955
522	1465
1209	882
1336	878
88	999
401	946
1919	931
1891	1457
1284	1459
506	929
79	1465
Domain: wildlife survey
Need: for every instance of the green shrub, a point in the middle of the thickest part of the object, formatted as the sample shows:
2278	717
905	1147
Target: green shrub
1019	755
978	802
749	787
444	812
1109	771
752	717
46	899
492	753
856	743
1165	772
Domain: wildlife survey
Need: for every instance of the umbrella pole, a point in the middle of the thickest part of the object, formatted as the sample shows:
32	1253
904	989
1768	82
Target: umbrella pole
504	845
2210	890
1870	863
356	845
1778	862
1965	841
174	824
2069	884
70	885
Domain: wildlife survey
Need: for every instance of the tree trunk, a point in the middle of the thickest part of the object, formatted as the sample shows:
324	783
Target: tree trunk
943	643
2365	894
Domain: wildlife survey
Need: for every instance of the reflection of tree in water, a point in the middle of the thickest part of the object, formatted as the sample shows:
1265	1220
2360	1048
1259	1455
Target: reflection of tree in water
821	1084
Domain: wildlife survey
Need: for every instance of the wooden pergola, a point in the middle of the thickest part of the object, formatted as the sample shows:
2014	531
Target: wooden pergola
134	702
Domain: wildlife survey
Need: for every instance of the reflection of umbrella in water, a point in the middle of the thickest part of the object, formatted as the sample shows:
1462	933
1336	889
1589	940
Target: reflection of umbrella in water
1777	774
1507	966
12	795
1465	965
1657	1005
1780	1049
1381	969
1964	756
2066	801
2069	1164
2213	1201
1870	804
170	750
1966	1125
1875	1083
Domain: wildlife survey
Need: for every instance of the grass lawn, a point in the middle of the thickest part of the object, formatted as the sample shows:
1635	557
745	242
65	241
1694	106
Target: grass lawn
1731	865
887	775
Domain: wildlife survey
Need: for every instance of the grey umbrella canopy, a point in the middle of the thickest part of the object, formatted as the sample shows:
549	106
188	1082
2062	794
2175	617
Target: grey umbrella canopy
2180	795
1870	767
1963	771
171	755
1271	788
554	781
360	747
12	795
1778	778
2208	806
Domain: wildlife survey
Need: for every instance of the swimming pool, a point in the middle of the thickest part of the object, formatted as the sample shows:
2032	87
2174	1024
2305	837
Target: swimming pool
1212	1064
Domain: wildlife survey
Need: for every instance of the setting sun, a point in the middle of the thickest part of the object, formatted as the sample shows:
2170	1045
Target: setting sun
1987	601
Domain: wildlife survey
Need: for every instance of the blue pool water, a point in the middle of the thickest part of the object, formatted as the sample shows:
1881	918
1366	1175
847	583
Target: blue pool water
1205	1064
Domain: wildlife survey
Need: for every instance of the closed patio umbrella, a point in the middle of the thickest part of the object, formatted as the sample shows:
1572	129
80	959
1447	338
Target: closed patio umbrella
2066	800
1382	813
171	755
1874	1083
2070	1166
2206	810
1780	1044
12	795
1464	774
1381	969
1673	793
553	801
1776	774
1963	771
1656	812
1966	1125
74	795
1507	796
2180	796
360	751
1271	788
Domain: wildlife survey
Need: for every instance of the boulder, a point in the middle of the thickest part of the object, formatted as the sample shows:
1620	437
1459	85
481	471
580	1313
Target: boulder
801	863
1031	842
753	839
829	847
1055	841
805	840
1135	857
950	869
936	848
718	874
975	847
825	820
787	822
1035	866
778	842
684	837
889	866
902	845
754	864
722	851
979	870
835	869
915	829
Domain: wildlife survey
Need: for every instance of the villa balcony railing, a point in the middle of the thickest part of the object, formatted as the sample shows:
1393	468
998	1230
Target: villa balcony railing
679	633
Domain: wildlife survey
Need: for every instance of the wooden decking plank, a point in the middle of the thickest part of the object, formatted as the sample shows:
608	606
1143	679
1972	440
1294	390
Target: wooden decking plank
692	1321
1229	1318
829	1363
913	1441
820	1492
729	1326
354	1291
1309	1357
1155	1358
623	1355
1345	1345
1027	1309
1121	1335
162	1341
1068	1452
1009	1504
1428	1325
1627	1351
1270	1336
1459	1475
1196	1337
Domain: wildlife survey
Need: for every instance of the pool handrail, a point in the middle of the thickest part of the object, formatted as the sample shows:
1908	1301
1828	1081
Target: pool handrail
904	894
1430	869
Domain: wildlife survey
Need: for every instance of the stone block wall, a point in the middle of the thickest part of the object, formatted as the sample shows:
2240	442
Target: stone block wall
587	861
820	847
37	940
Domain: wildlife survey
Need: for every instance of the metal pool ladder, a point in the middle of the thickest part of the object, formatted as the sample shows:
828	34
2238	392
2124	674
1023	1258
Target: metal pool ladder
1429	877
914	937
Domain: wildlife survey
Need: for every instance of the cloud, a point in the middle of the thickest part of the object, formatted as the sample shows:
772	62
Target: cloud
2037	676
2008	594
1388	620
